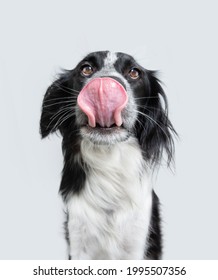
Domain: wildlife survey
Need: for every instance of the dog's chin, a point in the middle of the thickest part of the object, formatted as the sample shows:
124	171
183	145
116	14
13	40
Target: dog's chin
105	136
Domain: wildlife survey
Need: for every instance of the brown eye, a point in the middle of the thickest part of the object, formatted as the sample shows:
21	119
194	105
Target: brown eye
134	73
87	70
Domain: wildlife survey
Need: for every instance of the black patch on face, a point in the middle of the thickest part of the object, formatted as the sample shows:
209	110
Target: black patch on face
139	86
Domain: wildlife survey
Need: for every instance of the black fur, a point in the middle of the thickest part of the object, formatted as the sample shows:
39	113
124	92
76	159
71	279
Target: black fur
154	241
154	132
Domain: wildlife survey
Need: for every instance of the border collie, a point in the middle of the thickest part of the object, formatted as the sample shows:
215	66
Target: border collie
112	115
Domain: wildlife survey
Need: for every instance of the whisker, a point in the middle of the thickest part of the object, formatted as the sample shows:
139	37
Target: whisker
67	117
66	89
152	120
61	98
149	107
60	113
61	102
71	89
145	97
139	121
63	118
62	110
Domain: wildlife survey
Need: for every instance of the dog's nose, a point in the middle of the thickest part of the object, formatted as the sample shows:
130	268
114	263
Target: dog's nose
115	78
103	100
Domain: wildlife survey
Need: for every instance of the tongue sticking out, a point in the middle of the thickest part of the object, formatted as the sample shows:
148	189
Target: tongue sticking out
102	100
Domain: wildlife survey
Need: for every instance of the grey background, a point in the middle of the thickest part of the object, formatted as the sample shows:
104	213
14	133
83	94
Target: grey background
179	38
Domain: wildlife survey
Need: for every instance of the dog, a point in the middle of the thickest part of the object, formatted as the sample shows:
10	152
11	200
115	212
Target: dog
113	116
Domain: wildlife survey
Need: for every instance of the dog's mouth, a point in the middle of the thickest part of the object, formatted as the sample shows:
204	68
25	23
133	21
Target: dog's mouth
102	101
113	129
104	135
105	128
98	129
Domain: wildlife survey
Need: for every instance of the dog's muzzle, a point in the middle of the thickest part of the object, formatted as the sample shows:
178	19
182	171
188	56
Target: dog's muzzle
102	100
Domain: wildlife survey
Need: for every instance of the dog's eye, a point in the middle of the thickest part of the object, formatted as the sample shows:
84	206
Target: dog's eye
134	73
87	70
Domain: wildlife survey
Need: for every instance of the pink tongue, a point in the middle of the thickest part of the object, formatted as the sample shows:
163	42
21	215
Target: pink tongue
102	100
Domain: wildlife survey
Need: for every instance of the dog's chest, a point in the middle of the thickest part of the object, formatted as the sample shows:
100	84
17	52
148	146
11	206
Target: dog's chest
110	218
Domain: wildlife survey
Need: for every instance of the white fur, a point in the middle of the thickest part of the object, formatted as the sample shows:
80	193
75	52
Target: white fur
110	59
110	218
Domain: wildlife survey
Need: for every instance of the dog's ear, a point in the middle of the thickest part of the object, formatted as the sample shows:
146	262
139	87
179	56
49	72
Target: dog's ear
156	131
52	104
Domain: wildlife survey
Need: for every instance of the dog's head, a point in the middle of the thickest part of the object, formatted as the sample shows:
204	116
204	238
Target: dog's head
107	98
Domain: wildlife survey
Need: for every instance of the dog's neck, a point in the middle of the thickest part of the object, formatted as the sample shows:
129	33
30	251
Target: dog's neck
117	170
114	207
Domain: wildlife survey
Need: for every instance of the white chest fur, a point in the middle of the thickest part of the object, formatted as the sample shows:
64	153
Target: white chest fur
110	218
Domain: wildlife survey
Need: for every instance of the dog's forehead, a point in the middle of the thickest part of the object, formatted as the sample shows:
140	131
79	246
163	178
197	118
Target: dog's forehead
102	58
117	57
110	59
107	58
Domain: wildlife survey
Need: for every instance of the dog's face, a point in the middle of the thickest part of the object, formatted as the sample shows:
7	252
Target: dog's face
107	98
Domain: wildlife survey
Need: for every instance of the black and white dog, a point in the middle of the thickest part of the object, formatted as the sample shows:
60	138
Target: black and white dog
112	115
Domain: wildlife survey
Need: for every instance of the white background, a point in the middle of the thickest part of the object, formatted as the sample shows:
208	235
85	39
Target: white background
37	39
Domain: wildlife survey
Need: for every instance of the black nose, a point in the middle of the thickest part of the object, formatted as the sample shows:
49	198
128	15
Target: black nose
115	78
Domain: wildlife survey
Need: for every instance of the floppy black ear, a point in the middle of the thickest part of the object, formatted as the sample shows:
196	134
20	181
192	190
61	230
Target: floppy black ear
156	132
52	104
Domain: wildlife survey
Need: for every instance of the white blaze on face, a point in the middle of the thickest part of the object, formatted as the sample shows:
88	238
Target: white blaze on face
108	68
110	59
